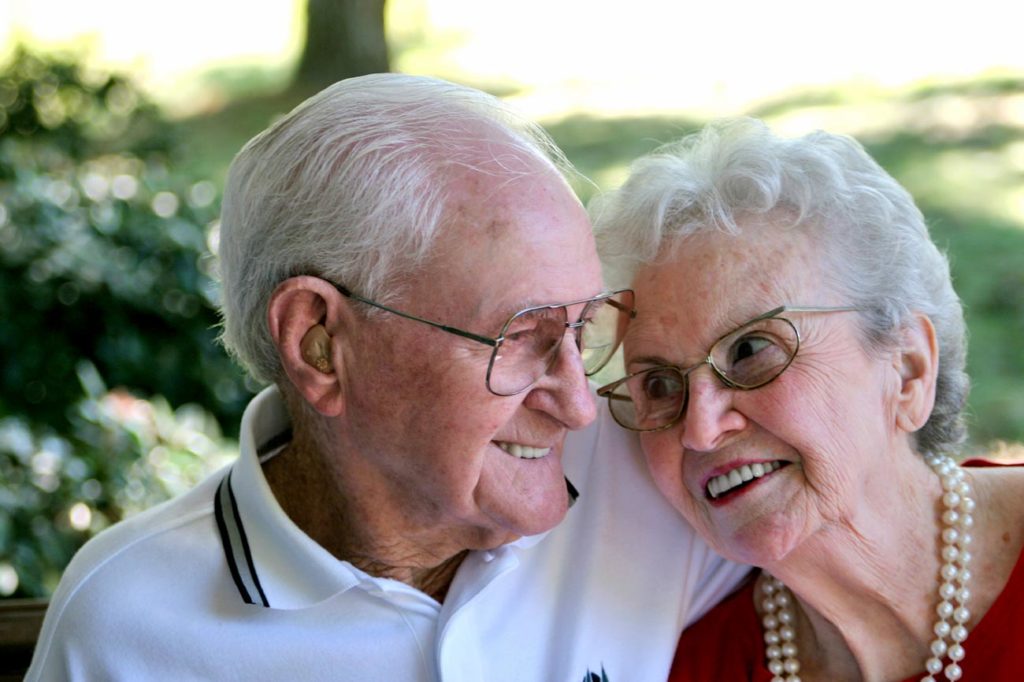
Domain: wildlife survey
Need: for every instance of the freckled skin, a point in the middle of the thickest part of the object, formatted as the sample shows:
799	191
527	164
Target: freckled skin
829	414
421	424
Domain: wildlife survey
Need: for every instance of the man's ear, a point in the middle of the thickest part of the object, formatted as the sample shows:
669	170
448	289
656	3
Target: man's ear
917	361
305	322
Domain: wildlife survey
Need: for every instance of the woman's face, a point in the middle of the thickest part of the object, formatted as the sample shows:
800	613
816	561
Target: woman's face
819	434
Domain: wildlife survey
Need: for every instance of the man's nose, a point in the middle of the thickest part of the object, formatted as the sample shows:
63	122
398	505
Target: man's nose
563	391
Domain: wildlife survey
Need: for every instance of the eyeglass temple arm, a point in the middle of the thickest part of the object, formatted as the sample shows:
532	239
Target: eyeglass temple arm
615	304
443	327
814	309
631	312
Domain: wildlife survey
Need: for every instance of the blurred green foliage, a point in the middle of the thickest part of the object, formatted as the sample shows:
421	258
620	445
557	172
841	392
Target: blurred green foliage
107	280
108	302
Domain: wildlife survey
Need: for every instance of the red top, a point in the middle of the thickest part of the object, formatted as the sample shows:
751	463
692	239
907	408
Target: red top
728	643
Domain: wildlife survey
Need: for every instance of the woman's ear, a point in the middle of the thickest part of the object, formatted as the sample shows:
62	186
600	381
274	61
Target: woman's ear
917	361
304	318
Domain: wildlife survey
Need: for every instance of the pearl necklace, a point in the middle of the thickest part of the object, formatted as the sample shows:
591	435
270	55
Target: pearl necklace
778	621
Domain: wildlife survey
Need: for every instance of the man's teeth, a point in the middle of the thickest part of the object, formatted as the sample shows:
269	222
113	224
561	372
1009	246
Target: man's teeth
523	451
748	472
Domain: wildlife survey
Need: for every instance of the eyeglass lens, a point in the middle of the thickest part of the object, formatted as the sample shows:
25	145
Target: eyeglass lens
532	338
748	357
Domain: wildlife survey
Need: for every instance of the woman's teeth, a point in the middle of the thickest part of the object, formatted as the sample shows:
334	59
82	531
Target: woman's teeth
523	451
719	485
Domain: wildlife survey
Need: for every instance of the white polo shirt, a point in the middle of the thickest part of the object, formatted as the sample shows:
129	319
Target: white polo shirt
219	584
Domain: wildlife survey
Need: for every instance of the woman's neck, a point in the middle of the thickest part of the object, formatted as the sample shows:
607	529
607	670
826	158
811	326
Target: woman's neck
865	598
865	589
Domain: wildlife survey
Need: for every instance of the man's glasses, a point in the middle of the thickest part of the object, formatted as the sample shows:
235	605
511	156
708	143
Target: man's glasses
752	355
528	342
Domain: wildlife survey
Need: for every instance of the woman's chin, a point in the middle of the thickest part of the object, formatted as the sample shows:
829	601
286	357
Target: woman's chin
756	544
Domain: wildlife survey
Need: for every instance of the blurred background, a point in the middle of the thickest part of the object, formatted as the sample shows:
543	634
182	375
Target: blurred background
118	121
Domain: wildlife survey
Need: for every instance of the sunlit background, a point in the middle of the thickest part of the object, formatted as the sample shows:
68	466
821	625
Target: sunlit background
935	90
702	58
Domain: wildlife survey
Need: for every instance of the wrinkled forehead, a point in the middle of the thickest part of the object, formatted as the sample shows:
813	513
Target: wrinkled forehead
712	281
515	239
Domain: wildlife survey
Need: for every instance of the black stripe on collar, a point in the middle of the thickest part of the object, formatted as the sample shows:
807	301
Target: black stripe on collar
236	545
573	493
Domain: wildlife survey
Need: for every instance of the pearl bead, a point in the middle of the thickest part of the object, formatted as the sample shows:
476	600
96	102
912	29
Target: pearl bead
781	650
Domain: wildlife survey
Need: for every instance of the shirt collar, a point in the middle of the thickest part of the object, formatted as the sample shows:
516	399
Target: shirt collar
274	563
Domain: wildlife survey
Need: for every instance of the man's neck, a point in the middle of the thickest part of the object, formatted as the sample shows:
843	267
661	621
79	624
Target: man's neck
357	529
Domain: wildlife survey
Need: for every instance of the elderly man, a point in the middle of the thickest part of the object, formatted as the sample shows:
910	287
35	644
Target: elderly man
403	261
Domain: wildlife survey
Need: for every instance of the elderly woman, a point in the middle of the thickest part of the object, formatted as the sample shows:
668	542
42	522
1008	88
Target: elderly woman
796	373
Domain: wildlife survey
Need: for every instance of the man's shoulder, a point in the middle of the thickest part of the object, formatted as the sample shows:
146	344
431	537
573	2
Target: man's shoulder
163	529
139	564
602	440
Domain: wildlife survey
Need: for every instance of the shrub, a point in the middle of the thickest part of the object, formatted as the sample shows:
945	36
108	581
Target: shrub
107	280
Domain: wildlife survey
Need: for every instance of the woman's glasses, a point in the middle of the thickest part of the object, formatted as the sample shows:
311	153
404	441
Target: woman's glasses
748	357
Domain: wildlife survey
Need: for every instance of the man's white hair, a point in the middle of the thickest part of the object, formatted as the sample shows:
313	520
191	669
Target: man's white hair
352	185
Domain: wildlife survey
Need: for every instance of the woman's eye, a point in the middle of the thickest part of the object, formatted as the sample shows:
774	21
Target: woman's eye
661	386
747	347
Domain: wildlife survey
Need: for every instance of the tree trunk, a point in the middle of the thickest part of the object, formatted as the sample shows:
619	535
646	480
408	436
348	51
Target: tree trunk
343	38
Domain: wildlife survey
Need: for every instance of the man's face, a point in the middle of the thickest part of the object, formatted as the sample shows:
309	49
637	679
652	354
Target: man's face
447	455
